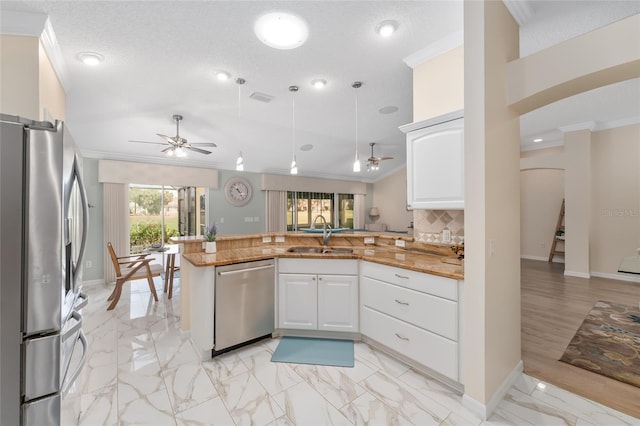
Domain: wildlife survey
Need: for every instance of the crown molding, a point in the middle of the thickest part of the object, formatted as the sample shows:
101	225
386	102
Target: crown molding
520	10
441	46
618	123
587	125
37	25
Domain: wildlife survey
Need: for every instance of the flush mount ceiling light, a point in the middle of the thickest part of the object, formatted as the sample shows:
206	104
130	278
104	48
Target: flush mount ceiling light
386	28
294	164
537	140
281	30
91	59
222	75
356	164
319	83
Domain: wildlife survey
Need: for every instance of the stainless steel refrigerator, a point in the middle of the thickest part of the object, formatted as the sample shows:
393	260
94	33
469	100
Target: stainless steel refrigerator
43	230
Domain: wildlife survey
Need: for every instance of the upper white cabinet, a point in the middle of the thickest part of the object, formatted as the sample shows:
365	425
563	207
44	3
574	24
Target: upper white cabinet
435	162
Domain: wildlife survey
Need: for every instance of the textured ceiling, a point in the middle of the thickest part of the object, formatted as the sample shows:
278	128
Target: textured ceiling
160	58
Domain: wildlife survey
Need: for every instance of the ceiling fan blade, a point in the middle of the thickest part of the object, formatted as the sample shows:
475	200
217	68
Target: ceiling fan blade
169	139
169	148
152	143
385	158
193	148
211	144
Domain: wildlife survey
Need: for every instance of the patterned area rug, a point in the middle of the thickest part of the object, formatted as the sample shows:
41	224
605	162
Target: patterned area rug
608	343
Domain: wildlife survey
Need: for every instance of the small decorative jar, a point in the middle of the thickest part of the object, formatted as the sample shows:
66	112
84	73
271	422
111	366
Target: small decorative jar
210	247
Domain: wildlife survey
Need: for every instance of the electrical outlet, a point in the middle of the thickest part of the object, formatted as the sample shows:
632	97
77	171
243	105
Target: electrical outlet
446	236
266	239
369	240
89	264
222	220
279	239
399	243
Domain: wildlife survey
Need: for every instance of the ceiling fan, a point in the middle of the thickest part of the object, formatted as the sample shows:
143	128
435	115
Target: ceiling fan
178	145
373	163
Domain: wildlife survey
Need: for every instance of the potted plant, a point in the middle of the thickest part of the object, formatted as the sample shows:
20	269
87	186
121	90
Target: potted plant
210	234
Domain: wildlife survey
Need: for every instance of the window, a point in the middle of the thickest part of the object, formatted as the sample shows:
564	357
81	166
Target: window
153	215
304	207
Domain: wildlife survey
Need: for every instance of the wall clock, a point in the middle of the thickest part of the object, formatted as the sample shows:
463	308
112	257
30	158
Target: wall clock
238	191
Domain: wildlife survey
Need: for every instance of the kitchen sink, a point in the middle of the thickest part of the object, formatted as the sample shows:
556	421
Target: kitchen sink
320	250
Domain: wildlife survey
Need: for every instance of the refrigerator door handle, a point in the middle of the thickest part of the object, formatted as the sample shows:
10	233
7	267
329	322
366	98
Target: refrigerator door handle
77	317
85	209
72	378
81	301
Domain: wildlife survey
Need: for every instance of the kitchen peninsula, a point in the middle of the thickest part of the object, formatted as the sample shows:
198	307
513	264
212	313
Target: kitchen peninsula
399	294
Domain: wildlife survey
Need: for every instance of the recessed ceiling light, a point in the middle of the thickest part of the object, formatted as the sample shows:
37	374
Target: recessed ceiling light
319	83
307	147
90	58
222	75
541	385
386	28
389	109
281	30
538	140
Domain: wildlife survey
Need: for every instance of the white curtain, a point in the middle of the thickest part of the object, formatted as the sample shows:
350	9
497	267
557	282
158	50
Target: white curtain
358	211
276	209
116	225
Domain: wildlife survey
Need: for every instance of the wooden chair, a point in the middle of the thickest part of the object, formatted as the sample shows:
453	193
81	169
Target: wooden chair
134	267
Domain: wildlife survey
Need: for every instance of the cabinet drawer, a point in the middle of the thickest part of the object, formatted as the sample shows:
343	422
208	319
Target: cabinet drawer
426	283
423	310
428	349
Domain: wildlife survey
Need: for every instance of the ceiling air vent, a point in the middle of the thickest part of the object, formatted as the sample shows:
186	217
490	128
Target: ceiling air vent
262	97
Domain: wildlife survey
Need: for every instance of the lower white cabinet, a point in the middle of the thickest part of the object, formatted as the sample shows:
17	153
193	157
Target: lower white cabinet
315	299
414	314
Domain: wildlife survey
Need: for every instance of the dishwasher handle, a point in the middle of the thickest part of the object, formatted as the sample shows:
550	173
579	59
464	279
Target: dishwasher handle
240	271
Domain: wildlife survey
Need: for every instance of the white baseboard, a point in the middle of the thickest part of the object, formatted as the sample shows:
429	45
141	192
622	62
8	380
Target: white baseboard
577	274
92	283
620	277
542	259
485	411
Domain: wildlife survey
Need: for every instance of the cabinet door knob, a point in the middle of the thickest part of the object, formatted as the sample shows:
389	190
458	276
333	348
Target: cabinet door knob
400	302
401	337
402	276
319	278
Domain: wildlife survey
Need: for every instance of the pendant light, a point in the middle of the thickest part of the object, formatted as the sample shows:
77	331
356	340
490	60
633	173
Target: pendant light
294	164
240	160
356	164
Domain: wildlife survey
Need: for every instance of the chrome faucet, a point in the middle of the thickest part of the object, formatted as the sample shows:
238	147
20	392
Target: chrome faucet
325	235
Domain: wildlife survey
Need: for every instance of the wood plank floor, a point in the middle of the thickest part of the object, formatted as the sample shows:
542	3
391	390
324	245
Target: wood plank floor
553	307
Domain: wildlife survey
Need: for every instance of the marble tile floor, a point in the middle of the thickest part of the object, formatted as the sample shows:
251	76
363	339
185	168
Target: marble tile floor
141	369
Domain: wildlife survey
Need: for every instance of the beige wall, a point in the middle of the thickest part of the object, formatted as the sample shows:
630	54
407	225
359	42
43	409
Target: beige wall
51	93
491	320
615	208
541	194
438	85
19	76
577	184
390	197
595	59
28	82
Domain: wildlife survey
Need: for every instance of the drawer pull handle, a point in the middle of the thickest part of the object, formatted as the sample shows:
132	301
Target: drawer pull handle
401	337
402	276
402	303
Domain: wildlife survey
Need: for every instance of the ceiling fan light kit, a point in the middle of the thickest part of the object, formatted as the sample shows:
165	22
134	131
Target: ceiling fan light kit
373	163
178	146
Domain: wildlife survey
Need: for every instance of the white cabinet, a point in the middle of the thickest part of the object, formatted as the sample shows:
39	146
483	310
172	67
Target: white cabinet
318	294
338	302
298	301
414	314
435	163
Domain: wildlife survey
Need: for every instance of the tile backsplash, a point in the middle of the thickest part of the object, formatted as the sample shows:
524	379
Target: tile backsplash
429	224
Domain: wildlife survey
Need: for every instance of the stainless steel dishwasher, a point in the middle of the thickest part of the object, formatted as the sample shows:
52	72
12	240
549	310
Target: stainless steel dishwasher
244	303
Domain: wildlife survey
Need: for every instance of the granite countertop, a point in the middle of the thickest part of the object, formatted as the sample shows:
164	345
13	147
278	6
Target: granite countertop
401	258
